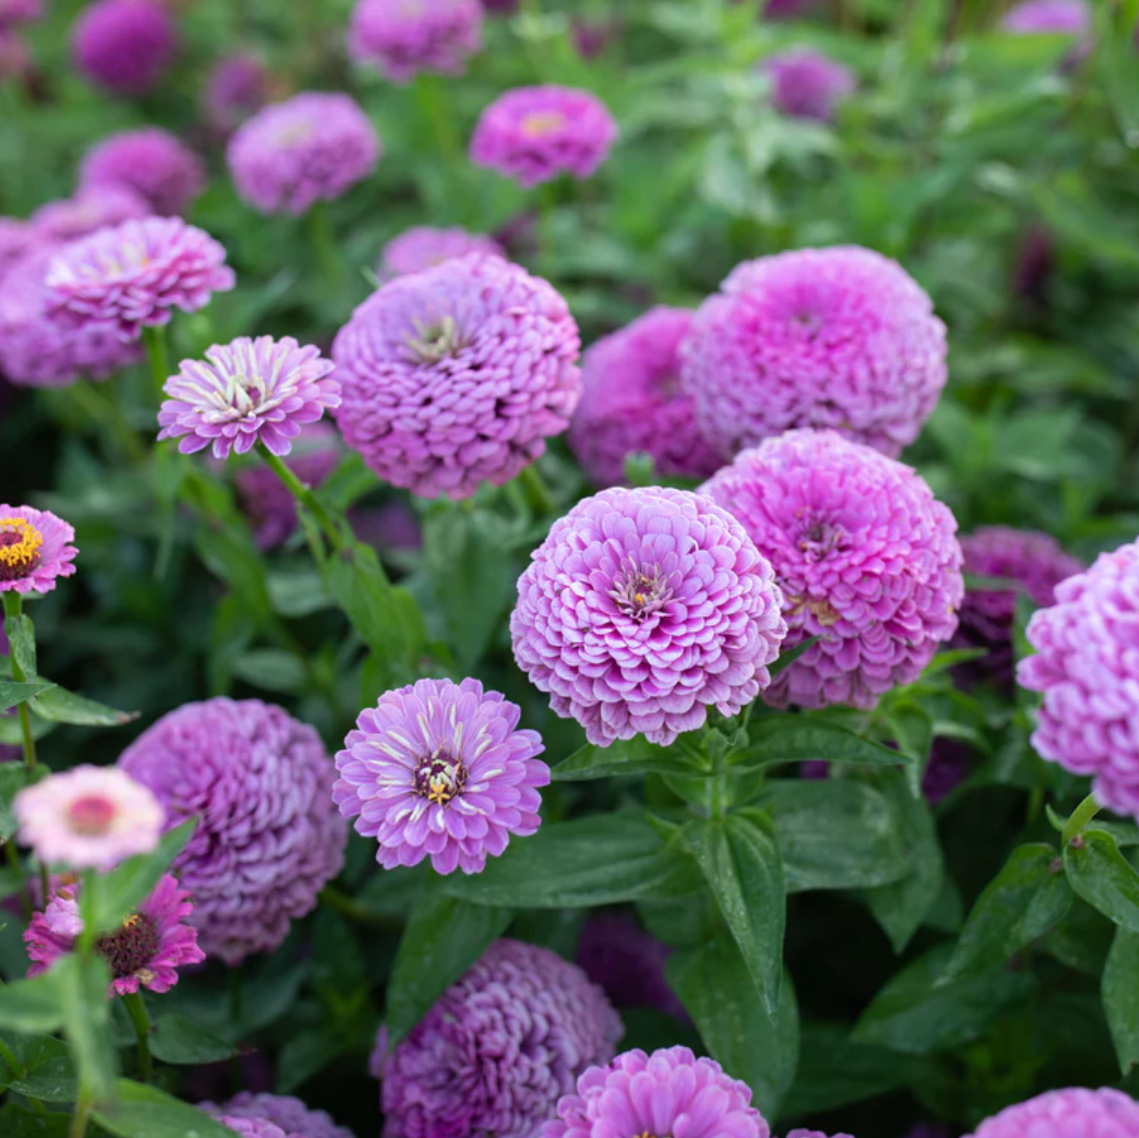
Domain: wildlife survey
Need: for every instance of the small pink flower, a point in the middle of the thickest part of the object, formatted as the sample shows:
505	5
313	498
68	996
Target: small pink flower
35	549
424	247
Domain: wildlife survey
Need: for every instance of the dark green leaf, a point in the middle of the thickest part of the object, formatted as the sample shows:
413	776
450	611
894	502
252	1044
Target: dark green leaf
22	643
48	1073
619	759
1101	875
786	659
307	1054
34	1005
12	693
793	738
176	1039
1120	993
139	1111
61	706
18	1121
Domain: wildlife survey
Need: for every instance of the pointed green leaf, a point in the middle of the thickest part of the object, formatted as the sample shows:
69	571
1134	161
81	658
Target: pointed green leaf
619	759
12	693
1120	994
140	1111
61	706
178	1040
22	643
32	1006
793	738
1101	875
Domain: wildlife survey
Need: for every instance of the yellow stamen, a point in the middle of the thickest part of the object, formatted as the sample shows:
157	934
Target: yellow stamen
439	791
542	122
21	552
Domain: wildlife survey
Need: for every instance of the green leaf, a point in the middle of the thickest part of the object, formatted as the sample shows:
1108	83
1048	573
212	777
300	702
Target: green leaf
1120	995
1027	898
34	1005
12	693
83	984
443	938
632	757
740	859
793	738
786	659
48	1070
1101	875
271	669
715	986
61	706
306	1054
21	635
139	1111
176	1039
19	1121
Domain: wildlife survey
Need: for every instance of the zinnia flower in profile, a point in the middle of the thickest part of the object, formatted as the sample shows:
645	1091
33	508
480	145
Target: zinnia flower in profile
439	769
290	1115
1075	1112
642	609
407	37
534	134
1048	17
249	391
238	87
91	208
149	161
668	1092
88	818
806	84
132	275
146	951
35	549
424	247
124	46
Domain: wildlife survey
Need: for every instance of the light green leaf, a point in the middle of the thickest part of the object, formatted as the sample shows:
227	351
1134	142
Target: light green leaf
12	694
139	1111
34	1005
83	984
61	706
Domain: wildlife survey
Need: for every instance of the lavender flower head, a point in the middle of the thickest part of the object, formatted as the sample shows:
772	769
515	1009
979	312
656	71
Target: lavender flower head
457	375
35	549
643	608
424	247
787	9
815	1134
840	337
253	1127
806	84
1072	1113
439	769
16	239
405	37
1086	666
146	950
238	87
498	1049
312	147
627	962
865	555
131	276
249	391
88	818
1048	17
91	208
15	60
152	163
631	403
669	1092
14	12
125	46
535	134
269	836
291	1115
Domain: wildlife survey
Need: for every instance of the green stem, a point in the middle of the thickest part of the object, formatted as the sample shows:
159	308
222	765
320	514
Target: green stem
159	355
536	490
25	893
353	910
1081	816
303	495
13	610
140	1017
431	98
323	243
14	1065
82	1115
547	205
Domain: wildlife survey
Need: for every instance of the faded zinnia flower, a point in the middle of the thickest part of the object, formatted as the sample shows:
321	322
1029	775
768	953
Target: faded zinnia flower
149	161
534	134
268	836
631	402
131	276
405	37
806	84
312	147
247	392
667	1092
439	769
238	87
88	817
643	608
124	46
457	375
294	1119
146	951
1048	17
1086	666
1075	1112
865	555
498	1049
840	337
91	208
35	549
424	247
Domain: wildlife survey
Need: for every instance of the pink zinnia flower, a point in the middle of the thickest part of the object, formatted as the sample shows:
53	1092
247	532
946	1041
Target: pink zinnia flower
237	87
35	549
93	207
405	37
13	12
88	817
146	951
149	161
807	84
424	247
533	134
1048	17
1072	1113
292	1118
815	1134
125	46
16	238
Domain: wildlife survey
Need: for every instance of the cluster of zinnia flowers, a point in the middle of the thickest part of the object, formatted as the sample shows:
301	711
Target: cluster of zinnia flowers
806	84
150	162
125	46
35	549
424	247
404	39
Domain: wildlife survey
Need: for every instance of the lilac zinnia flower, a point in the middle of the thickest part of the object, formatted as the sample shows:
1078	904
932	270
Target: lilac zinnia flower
424	247
250	391
643	608
130	276
405	38
1048	17
312	147
91	208
146	950
1071	1113
815	1134
35	549
291	1115
268	835
13	12
152	163
840	337
630	403
865	555
125	46
669	1092
88	817
498	1049
457	375
807	84
1088	669
439	769
534	134
16	239
238	87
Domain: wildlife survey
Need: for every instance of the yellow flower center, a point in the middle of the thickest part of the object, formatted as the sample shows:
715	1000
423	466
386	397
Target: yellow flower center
542	122
20	543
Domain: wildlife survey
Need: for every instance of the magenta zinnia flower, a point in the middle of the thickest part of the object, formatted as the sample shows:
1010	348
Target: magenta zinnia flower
152	163
35	549
13	12
290	1115
1048	17
403	39
807	84
533	134
865	555
498	1049
130	276
88	817
268	836
125	46
787	9
815	1134
641	609
457	375
16	239
250	391
669	1092
1087	667
439	769
146	951
91	208
424	247
630	403
238	87
839	337
312	147
1072	1113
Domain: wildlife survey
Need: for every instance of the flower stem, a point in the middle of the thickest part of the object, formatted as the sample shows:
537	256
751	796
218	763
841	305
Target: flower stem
547	205
159	355
324	245
1081	816
25	893
140	1017
303	495
431	98
82	1115
536	490
13	610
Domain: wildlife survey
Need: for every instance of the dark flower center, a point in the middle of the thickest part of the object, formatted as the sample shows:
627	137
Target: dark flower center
818	538
130	949
434	341
439	777
91	815
20	543
641	592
